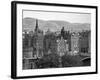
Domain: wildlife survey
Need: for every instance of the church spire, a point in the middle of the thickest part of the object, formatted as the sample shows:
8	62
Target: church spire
36	27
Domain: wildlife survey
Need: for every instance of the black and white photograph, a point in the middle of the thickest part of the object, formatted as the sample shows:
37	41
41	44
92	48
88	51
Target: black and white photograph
56	39
53	39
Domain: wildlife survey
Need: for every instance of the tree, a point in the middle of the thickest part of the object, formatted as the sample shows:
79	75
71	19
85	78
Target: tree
48	61
71	61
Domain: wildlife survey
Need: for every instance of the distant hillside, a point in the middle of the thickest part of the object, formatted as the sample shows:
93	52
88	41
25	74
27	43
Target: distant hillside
54	25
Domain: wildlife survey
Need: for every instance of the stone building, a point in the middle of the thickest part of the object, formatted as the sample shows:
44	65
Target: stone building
49	42
75	42
26	39
66	36
85	42
37	41
62	46
34	50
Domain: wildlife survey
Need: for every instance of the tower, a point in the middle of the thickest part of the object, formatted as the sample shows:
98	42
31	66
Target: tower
36	27
63	32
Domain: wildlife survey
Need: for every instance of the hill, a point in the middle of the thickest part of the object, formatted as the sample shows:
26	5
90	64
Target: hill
54	25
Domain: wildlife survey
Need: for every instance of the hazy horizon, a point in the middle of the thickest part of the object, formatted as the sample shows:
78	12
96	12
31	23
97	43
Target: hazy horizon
54	16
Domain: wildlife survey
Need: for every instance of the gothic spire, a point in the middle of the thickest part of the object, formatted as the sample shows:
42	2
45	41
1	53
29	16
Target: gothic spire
36	27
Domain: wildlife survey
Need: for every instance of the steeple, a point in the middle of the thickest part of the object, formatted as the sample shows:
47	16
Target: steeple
62	32
36	27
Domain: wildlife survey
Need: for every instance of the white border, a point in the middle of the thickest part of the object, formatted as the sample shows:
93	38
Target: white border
36	72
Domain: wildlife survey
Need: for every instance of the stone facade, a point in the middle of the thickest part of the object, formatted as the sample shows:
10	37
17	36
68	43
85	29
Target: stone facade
85	41
75	42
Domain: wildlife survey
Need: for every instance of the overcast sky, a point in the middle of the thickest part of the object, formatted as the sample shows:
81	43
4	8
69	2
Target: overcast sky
68	16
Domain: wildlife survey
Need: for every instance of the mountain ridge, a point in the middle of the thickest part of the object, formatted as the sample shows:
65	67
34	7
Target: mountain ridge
54	25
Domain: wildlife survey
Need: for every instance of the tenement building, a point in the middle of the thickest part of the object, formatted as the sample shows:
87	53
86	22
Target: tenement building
50	44
75	42
34	51
85	41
